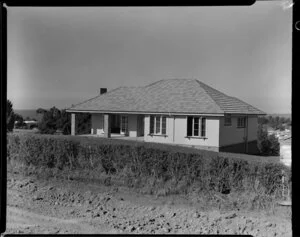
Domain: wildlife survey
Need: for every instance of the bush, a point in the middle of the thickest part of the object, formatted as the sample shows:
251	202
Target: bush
145	165
268	145
10	116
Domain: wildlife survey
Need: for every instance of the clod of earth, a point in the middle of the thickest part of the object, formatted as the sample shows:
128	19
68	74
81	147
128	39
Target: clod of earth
233	215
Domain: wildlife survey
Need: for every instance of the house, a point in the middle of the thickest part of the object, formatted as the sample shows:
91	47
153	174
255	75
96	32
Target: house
28	124
174	111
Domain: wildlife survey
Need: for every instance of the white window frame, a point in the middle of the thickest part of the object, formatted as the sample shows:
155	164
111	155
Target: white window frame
226	123
160	125
241	122
199	126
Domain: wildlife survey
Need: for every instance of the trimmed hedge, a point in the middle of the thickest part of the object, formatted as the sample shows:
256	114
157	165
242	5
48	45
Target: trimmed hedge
208	171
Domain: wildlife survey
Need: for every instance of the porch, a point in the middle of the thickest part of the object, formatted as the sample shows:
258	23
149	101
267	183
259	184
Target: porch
117	126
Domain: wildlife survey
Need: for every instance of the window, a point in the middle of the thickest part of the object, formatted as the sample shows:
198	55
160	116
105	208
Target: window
241	123
124	125
203	127
196	127
158	125
164	125
151	124
227	120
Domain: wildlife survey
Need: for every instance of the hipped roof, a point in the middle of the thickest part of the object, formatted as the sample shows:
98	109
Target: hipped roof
184	96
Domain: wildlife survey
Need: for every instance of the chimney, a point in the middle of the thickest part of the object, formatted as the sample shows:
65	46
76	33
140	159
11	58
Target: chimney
103	90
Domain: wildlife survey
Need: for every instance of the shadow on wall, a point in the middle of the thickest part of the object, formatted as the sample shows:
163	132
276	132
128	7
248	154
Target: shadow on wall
241	148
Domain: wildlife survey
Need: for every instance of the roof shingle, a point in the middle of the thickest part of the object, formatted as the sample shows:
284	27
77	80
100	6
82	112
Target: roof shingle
188	96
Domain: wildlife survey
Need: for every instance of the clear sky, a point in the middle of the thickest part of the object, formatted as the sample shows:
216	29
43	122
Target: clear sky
62	56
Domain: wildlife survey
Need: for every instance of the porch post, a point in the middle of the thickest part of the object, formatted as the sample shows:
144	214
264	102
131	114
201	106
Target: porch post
106	125
73	124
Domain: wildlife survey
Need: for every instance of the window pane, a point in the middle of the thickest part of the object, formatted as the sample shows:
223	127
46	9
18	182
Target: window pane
241	122
151	124
203	127
163	125
157	118
189	126
124	125
196	126
227	121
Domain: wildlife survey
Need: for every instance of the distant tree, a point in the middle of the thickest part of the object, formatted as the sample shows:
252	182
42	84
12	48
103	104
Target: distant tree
64	123
263	120
48	123
41	111
83	123
268	145
288	121
10	116
55	119
20	121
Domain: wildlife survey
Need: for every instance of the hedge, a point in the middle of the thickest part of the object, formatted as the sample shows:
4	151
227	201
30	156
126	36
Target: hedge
209	171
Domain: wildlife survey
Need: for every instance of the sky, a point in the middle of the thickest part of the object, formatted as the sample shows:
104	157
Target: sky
63	56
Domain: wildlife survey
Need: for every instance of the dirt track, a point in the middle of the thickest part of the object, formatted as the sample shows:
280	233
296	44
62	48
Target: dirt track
60	206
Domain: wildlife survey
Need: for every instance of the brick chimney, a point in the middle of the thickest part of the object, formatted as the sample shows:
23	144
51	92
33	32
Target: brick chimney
103	90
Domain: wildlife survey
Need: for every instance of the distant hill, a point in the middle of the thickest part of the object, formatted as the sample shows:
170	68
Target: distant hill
31	113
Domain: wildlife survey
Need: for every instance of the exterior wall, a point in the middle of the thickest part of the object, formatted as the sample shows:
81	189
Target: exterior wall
230	135
252	128
132	125
177	130
97	124
241	148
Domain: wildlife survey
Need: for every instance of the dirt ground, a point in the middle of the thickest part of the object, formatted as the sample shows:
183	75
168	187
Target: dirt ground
55	206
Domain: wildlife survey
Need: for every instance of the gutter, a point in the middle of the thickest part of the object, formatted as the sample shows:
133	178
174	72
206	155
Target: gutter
140	112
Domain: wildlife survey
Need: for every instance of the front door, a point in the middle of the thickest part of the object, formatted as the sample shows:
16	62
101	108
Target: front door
115	123
124	125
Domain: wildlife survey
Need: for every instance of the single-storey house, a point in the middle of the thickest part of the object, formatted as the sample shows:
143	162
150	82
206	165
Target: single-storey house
174	111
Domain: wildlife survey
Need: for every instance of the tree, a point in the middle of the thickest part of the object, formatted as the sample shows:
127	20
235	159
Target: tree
55	119
41	111
47	125
10	116
268	145
20	121
64	123
263	120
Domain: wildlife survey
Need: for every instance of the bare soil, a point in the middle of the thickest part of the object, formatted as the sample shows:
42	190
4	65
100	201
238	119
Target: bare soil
56	206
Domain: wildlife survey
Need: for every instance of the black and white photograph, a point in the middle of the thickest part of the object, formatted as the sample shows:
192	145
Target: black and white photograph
149	120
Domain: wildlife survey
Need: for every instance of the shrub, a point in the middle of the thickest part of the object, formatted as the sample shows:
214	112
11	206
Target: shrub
146	165
267	144
10	116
